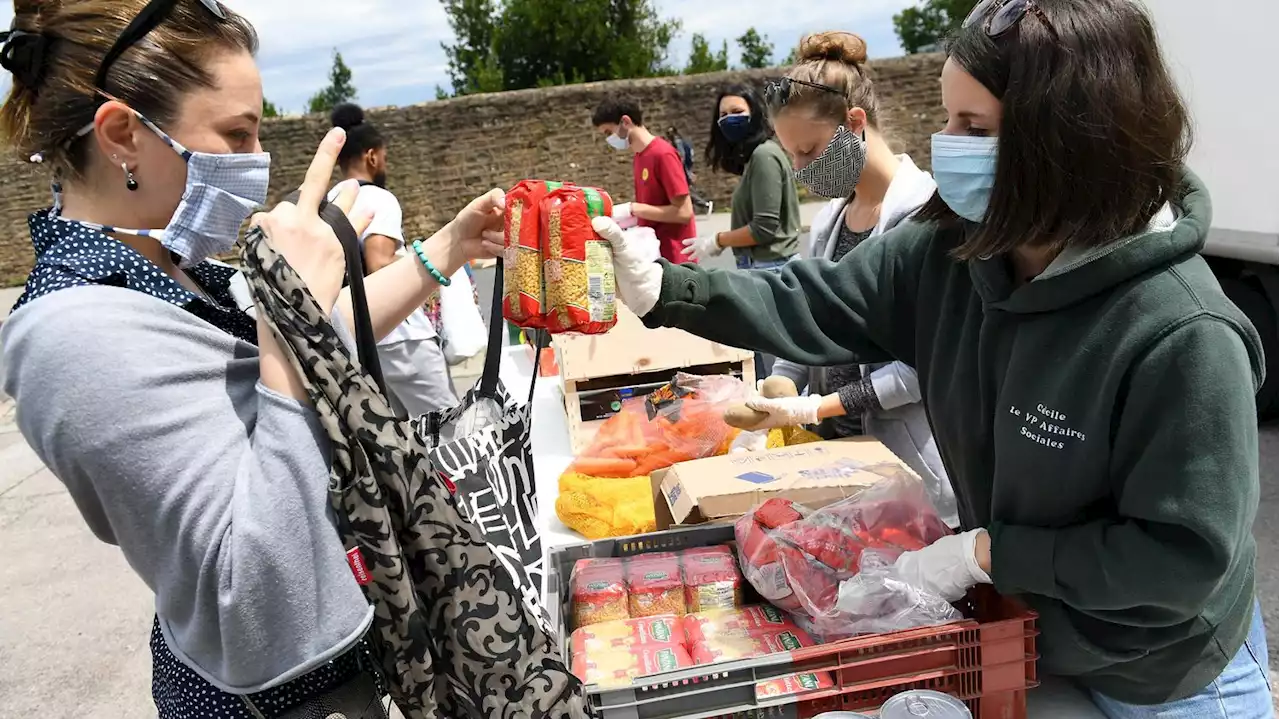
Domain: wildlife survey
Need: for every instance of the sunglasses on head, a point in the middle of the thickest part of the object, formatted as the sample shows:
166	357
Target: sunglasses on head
778	92
999	16
149	19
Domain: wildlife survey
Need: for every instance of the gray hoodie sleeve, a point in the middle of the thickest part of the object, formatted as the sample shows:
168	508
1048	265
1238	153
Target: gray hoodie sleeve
214	487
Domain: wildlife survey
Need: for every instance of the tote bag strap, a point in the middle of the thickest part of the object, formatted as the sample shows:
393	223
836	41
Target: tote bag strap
366	342
493	355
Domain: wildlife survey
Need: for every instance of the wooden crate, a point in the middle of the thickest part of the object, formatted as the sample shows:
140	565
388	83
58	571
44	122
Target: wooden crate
629	360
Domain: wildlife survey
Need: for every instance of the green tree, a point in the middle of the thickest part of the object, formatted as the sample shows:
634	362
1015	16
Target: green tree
338	91
923	28
702	59
517	44
792	57
269	109
756	50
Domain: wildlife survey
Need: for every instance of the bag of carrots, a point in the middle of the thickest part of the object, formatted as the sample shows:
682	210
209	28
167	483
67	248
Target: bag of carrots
682	421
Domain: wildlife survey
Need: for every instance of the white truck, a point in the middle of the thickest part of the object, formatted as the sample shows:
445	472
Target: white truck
1226	67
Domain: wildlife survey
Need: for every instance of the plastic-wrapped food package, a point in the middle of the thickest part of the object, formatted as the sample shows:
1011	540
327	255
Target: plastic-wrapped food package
794	684
599	591
617	667
797	558
711	580
681	421
759	643
708	626
578	264
654	586
624	633
523	284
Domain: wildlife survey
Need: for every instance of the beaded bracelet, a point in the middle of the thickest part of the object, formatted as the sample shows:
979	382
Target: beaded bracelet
422	255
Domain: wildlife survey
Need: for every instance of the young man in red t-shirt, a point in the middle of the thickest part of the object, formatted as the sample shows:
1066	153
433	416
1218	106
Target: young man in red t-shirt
661	188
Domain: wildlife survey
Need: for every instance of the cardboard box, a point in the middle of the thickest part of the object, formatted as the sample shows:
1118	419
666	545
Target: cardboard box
814	475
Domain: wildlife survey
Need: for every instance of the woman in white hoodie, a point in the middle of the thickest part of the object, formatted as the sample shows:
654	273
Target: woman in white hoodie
826	116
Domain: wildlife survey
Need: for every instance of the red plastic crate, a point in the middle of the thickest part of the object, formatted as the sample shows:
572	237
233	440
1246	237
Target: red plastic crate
988	660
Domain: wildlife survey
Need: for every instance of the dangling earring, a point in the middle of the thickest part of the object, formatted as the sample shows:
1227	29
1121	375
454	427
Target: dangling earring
129	182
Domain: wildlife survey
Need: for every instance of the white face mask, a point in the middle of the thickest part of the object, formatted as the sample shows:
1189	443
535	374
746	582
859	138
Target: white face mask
617	142
222	191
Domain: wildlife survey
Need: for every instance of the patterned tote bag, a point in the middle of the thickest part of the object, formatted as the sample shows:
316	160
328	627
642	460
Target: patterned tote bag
453	633
481	450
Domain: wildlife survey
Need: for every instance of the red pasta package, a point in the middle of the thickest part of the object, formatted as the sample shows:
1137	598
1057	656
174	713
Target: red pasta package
578	281
728	647
708	626
654	585
625	633
599	591
524	292
711	580
794	684
617	667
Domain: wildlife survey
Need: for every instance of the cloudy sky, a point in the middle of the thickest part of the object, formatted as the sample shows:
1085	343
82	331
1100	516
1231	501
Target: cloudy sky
393	46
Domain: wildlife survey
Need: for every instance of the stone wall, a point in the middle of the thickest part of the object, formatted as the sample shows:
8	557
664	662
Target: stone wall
443	153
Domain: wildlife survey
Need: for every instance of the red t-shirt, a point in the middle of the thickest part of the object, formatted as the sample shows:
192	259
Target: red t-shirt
659	178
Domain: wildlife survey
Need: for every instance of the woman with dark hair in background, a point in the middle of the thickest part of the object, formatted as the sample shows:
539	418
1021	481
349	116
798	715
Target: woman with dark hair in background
827	117
765	221
413	362
1092	389
177	423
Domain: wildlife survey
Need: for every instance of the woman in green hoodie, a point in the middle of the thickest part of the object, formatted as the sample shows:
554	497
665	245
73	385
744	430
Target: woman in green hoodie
1090	386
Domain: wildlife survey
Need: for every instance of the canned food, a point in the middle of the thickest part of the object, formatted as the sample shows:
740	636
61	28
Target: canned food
924	704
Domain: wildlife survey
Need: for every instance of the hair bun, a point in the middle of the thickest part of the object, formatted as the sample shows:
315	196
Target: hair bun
347	115
842	47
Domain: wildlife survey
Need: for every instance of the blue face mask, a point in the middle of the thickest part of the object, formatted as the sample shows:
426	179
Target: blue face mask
735	128
965	169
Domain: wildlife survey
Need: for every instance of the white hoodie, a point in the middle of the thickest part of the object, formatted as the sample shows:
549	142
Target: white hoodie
903	424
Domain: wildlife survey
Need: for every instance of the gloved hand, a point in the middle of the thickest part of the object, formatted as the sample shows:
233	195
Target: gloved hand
635	264
622	215
702	249
947	568
786	411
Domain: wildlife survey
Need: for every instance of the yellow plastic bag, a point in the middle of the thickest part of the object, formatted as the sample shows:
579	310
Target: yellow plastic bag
602	507
790	436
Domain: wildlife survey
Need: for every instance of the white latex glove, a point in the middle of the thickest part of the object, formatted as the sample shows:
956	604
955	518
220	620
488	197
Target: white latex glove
749	442
622	215
635	264
786	411
947	568
702	249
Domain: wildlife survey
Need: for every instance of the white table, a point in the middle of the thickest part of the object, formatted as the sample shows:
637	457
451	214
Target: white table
1054	699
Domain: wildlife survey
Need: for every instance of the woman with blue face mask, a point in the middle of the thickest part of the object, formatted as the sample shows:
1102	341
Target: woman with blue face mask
175	420
765	221
1091	388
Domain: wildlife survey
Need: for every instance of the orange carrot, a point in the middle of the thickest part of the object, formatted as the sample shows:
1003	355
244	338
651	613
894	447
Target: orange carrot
605	467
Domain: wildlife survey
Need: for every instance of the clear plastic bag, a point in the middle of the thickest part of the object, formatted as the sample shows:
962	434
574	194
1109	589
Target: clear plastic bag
682	421
800	559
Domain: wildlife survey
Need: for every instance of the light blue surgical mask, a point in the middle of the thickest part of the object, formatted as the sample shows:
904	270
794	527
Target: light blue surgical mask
964	167
222	191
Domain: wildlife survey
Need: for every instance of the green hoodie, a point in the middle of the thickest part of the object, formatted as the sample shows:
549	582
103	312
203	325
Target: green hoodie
1099	421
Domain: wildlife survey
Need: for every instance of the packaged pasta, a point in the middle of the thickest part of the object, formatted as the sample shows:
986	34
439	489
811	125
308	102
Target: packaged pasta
711	580
728	647
599	591
794	684
654	585
617	667
708	626
625	633
524	294
578	279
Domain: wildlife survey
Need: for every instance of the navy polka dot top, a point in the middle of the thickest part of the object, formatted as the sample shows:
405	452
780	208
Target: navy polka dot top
69	254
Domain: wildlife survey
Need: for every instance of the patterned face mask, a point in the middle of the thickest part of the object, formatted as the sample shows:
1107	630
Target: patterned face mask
222	191
835	173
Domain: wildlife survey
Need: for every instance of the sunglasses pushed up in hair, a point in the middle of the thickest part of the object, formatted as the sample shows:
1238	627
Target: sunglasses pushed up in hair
1000	16
778	92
